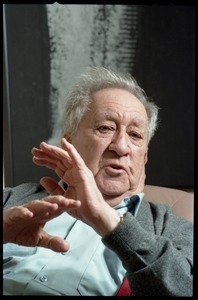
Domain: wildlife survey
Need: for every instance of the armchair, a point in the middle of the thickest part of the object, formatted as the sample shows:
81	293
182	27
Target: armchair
182	202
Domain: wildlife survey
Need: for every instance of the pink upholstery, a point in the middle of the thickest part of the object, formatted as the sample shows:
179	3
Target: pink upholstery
182	202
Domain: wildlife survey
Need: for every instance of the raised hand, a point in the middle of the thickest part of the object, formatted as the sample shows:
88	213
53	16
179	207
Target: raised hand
24	224
69	166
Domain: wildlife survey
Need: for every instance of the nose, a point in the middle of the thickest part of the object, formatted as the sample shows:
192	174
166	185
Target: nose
120	143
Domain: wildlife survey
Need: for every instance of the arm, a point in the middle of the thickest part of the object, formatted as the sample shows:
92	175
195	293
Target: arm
158	261
158	255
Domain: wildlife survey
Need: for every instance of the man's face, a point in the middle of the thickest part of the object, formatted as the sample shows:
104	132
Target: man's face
112	140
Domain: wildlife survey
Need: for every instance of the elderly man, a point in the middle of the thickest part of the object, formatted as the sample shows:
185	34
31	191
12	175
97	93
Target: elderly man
95	229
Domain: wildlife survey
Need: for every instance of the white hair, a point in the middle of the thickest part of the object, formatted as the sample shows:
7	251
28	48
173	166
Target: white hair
98	78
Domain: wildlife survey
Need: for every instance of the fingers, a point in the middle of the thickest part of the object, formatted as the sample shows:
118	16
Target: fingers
45	163
66	162
42	155
56	152
64	204
15	213
42	158
49	205
70	193
54	243
73	153
52	157
52	186
40	210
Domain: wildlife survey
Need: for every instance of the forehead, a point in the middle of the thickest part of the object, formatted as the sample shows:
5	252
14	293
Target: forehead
114	103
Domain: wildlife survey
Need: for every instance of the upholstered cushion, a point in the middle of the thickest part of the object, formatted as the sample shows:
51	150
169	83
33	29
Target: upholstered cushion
182	202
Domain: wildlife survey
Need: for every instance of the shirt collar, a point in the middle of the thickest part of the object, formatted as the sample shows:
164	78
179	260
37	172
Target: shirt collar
130	204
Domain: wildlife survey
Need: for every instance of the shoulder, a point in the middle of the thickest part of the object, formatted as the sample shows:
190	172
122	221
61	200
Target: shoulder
162	218
154	208
22	193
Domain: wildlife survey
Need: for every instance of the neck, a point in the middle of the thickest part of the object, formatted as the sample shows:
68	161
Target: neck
114	200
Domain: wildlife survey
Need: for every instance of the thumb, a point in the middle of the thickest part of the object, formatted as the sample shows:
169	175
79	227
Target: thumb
54	243
51	186
70	193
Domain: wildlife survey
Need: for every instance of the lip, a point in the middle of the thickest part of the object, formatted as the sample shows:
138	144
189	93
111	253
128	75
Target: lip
115	168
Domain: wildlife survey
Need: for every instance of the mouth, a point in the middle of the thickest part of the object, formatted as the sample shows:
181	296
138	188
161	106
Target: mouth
116	167
115	170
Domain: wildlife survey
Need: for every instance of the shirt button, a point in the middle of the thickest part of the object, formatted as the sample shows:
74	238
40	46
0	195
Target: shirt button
43	278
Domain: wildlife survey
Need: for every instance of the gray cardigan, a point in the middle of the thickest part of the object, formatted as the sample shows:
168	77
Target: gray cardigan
156	247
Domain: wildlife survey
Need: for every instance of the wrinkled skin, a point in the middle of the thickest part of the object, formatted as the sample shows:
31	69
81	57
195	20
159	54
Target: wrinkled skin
102	162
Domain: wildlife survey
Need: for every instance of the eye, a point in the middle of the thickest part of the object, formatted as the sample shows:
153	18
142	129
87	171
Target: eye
105	128
135	135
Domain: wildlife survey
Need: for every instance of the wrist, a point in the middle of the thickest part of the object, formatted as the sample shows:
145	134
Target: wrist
109	223
122	216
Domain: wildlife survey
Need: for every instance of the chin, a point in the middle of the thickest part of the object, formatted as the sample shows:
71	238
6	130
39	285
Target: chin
113	188
113	201
110	195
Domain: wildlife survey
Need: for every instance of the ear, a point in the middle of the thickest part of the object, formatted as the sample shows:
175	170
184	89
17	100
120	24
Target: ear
67	136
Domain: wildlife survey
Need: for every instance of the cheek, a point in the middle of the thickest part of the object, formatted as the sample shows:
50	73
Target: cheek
93	159
138	161
91	151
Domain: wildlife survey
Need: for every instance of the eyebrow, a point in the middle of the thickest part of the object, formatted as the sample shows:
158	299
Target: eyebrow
112	117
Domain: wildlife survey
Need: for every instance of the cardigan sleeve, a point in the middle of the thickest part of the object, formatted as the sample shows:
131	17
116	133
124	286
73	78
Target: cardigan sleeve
156	248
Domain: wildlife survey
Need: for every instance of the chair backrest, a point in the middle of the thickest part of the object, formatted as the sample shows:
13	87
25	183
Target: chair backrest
182	202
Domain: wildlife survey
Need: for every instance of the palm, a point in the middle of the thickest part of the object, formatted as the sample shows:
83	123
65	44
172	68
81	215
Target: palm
70	167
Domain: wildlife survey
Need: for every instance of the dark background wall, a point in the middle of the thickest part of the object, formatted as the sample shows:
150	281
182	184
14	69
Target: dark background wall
27	86
164	66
